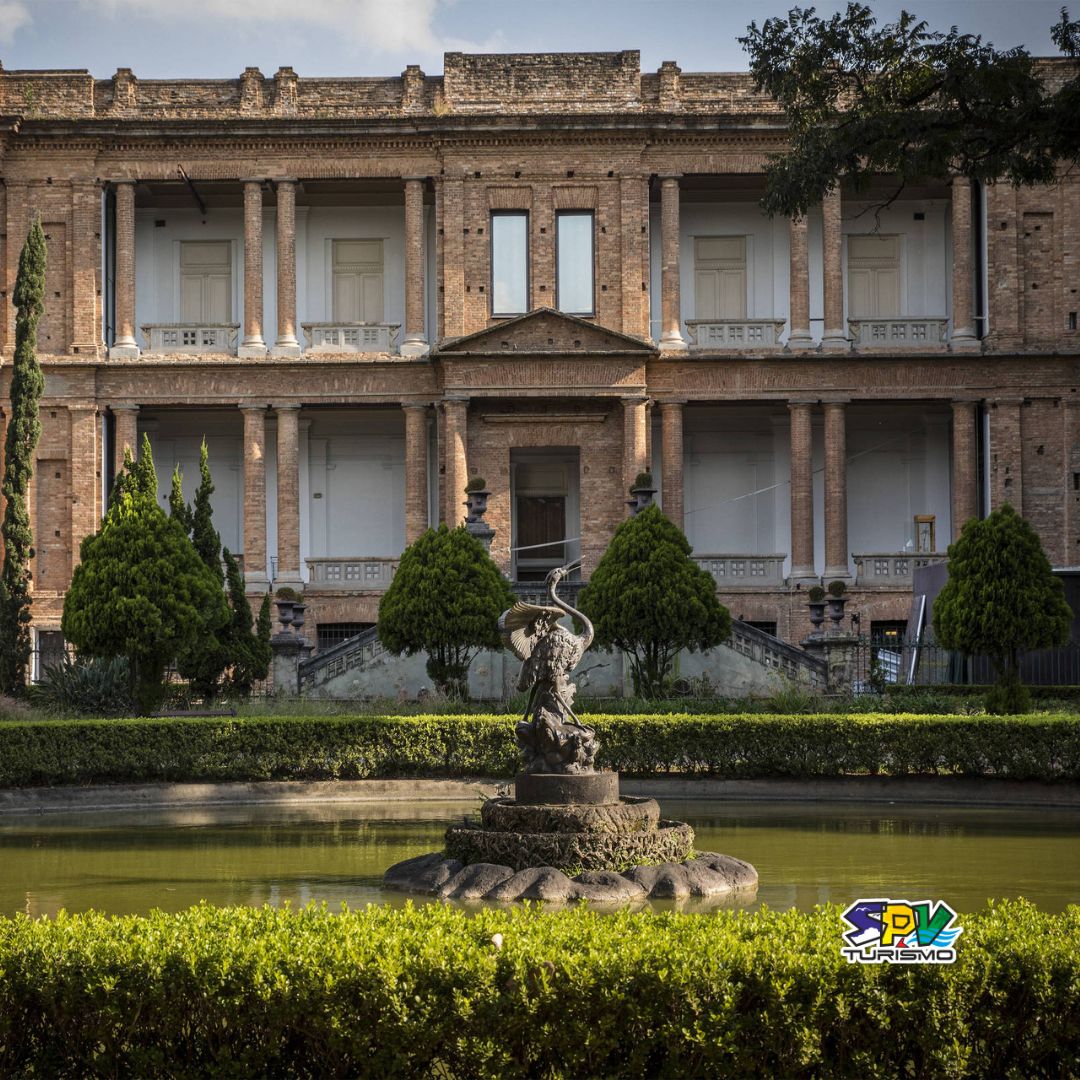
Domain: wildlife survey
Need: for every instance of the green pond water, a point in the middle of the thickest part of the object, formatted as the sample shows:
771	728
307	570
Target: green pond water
130	862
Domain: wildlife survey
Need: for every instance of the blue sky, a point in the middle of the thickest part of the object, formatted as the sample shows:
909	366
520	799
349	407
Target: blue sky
219	38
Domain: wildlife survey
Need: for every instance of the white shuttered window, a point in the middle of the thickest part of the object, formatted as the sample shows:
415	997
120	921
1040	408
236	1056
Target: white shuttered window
205	281
358	281
873	276
720	277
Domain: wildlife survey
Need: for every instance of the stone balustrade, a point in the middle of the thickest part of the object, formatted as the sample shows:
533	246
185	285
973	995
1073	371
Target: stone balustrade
899	333
742	571
892	568
351	574
734	333
351	337
191	338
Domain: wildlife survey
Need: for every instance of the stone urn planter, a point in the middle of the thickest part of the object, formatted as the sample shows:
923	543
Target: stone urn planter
642	492
817	607
476	500
837	602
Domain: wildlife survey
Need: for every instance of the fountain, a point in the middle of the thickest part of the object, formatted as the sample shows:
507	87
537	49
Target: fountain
566	834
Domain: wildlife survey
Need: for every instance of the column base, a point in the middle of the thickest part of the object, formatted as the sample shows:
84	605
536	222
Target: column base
673	342
124	351
835	341
287	348
803	575
838	573
414	348
800	340
964	342
256	584
251	350
289	579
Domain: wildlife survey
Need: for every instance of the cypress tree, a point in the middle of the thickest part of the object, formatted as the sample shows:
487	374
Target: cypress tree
248	646
24	429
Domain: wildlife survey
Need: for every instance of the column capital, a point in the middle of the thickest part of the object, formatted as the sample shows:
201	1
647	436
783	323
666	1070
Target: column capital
275	180
630	400
456	399
1008	401
252	406
285	406
124	406
670	403
826	402
416	179
669	178
800	403
260	180
422	405
118	180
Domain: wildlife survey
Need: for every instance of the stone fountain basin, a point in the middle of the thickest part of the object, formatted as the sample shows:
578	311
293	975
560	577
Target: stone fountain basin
626	815
707	874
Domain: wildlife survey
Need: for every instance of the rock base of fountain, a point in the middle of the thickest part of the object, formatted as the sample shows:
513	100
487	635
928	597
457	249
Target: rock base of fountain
599	847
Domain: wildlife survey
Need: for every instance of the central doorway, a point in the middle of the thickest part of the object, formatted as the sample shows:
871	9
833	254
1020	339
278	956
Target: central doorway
545	514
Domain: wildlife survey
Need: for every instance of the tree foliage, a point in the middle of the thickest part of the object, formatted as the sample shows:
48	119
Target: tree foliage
23	432
1001	599
140	589
248	648
907	101
650	600
445	600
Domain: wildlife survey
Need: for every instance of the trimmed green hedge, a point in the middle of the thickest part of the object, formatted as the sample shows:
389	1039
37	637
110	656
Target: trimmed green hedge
423	992
341	747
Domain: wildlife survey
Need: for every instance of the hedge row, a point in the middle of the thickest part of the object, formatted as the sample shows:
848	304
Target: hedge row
730	747
433	991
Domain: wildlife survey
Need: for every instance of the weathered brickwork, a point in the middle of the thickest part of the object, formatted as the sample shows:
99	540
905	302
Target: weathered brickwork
539	133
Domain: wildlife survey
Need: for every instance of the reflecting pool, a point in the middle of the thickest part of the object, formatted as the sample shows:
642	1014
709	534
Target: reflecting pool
129	862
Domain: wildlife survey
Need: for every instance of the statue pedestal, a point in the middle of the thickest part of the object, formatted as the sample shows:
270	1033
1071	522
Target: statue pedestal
560	789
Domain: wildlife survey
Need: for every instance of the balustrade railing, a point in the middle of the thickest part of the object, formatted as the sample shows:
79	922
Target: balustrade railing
350	337
193	338
738	571
892	568
899	333
734	333
351	574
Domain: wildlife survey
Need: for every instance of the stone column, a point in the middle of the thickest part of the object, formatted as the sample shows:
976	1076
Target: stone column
963	323
253	344
671	423
286	344
255	577
124	344
416	470
455	417
965	466
799	275
671	339
835	335
288	495
634	420
85	475
414	342
802	492
836	534
125	434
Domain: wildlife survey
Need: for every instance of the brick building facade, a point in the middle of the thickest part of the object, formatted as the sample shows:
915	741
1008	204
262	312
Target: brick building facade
550	271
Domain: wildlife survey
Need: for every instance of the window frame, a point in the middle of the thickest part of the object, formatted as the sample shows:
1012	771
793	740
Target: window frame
591	215
493	214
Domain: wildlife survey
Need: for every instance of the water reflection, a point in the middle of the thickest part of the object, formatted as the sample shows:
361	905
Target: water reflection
122	862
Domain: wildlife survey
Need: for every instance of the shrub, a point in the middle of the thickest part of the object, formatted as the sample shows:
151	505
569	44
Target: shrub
837	589
815	594
524	993
1001	599
89	688
140	589
285	593
642	480
445	600
476	483
650	600
350	747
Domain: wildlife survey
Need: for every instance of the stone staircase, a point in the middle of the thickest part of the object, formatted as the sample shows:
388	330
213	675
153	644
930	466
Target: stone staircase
750	662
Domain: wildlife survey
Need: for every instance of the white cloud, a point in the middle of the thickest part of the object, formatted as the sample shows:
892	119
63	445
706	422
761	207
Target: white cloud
14	15
386	26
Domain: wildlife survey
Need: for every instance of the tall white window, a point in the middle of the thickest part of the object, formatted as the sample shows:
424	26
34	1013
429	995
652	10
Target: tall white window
358	281
205	281
873	276
720	277
509	262
574	291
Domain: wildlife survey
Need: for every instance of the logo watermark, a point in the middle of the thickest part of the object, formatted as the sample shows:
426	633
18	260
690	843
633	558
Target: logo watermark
900	932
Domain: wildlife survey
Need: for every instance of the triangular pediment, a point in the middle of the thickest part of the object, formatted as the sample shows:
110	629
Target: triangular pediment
545	331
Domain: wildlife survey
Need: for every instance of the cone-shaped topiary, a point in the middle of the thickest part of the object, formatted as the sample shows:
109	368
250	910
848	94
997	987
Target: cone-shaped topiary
1001	600
24	429
445	600
140	589
650	600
